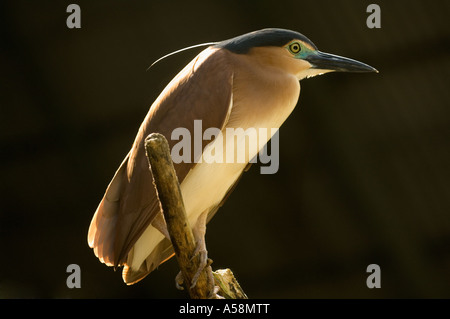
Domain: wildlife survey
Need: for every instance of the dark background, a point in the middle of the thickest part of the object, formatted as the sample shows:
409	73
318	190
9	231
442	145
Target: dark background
364	159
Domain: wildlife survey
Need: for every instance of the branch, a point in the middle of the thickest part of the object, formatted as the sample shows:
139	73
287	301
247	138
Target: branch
182	238
229	288
169	194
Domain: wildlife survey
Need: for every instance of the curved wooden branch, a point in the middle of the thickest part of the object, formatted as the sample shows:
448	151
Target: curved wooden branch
169	194
172	205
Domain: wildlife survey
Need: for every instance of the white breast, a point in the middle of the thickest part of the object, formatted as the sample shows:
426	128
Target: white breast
202	189
205	186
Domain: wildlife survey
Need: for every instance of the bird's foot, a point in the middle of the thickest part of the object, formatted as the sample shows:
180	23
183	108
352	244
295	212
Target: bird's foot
214	294
204	261
179	281
200	256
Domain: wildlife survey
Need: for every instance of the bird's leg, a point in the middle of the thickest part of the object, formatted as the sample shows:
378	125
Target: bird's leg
160	224
199	231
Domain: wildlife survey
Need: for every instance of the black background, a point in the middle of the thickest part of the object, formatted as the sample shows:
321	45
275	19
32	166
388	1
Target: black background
364	159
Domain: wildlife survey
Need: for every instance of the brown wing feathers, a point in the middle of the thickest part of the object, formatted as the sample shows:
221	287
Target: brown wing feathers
201	91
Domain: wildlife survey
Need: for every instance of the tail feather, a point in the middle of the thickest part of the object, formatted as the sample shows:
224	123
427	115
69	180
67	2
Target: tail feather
101	235
162	253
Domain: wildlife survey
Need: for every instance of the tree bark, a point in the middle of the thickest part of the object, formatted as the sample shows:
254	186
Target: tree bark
180	231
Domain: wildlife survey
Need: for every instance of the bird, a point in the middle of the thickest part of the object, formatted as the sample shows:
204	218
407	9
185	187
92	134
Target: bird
249	81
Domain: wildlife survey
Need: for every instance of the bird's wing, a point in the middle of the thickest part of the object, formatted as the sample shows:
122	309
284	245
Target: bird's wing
201	91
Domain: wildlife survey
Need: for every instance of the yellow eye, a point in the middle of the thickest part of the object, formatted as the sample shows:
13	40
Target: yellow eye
295	47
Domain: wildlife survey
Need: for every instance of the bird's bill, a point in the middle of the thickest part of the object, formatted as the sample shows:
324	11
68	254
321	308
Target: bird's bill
327	61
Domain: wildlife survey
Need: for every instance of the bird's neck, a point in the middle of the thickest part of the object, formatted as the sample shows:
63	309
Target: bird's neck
263	96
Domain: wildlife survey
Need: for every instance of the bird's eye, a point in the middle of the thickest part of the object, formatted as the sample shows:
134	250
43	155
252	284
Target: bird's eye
295	47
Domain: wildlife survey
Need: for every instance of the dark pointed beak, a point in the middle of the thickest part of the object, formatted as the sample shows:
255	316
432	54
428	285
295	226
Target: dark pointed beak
327	61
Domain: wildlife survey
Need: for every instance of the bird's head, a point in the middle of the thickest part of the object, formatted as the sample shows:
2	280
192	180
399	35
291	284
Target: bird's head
292	52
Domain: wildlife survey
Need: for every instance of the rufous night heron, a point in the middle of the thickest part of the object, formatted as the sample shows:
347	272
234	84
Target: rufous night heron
250	81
